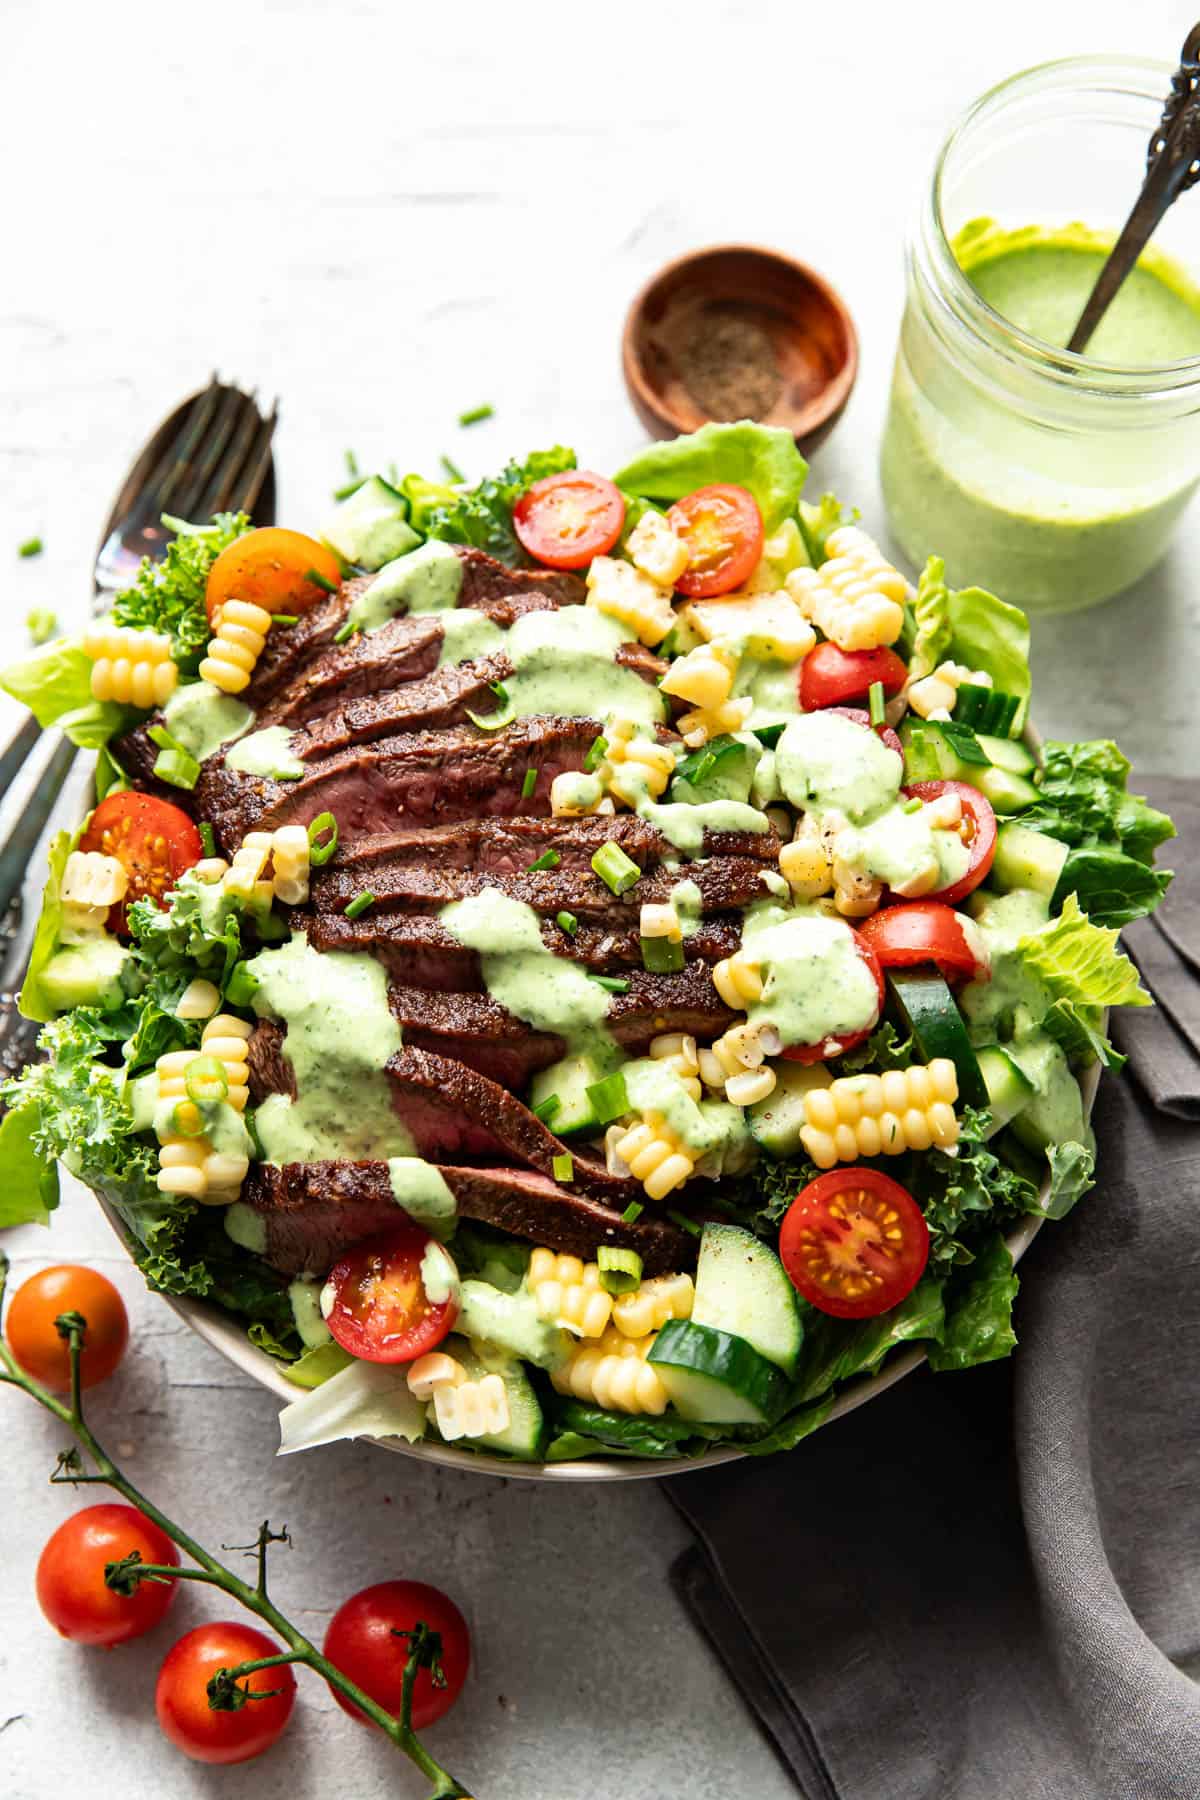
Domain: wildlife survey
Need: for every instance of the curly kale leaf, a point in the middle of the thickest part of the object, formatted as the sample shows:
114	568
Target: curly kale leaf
482	517
169	595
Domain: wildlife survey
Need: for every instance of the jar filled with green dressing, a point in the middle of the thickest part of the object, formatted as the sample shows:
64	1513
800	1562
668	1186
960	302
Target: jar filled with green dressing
1053	479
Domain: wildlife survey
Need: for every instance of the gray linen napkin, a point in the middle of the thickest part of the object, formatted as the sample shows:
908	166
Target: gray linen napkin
986	1586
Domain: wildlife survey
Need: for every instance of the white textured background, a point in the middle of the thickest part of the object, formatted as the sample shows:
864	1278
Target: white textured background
387	213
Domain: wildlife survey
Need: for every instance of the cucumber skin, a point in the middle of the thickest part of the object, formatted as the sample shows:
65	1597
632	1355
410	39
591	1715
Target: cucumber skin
924	999
1009	1088
738	1276
705	1358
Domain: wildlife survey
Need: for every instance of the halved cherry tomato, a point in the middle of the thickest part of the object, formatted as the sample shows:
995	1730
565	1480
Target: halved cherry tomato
362	1642
924	931
37	1346
566	519
723	530
218	1735
272	568
862	717
381	1311
71	1589
854	1243
978	831
829	675
152	840
837	1046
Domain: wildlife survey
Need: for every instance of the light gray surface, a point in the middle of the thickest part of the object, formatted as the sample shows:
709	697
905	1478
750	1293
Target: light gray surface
387	215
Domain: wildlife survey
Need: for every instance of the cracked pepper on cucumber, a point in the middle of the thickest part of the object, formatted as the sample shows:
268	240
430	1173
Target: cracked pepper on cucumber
581	967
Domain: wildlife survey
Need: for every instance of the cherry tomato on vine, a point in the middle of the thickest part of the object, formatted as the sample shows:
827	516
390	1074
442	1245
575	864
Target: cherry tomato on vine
723	530
71	1590
838	1045
829	676
362	1643
381	1311
854	1243
37	1346
211	1735
925	931
274	569
566	519
152	840
978	832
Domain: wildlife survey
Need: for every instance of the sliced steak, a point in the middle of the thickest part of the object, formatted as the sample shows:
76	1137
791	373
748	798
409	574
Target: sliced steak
423	777
270	1071
446	697
508	846
486	582
473	1029
403	650
313	1212
289	647
418	952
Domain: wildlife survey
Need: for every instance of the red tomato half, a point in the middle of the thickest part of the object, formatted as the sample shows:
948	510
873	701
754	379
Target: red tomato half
152	840
723	530
381	1311
923	931
71	1590
274	569
362	1643
829	675
854	1243
566	519
35	1343
978	831
862	717
205	1733
836	1046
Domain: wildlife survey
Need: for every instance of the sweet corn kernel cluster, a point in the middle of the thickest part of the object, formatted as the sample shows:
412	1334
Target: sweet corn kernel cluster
613	1374
649	1307
266	866
654	549
856	598
471	1409
738	980
806	864
935	696
188	1164
635	766
429	1371
131	667
704	676
882	1115
237	643
625	593
707	722
761	622
652	1153
677	1050
91	883
735	1063
568	1292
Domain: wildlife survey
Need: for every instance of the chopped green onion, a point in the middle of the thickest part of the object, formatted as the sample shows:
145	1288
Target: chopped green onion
501	692
207	838
875	702
632	1213
547	1108
564	1168
476	415
346	633
699	765
453	472
566	921
609	1098
549	859
617	871
352	467
242	985
662	955
913	806
186	1121
321	581
41	624
351	487
620	1269
31	547
616	984
360	903
289	618
206	1080
963	742
595	755
174	765
321	846
769	735
684	1223
529	783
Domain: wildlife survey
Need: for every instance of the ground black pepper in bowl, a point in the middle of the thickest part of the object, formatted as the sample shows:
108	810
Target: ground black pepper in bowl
726	361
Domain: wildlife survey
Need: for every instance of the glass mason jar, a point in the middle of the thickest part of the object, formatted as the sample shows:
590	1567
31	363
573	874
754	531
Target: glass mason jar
1053	479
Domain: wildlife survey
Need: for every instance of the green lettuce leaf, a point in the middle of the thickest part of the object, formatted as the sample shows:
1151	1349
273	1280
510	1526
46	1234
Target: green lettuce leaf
665	1436
56	685
28	1183
34	1001
364	1400
1080	962
762	458
482	517
789	1431
316	1365
988	634
836	1349
1072	1174
1084	801
979	1304
1112	888
170	595
931	617
817	522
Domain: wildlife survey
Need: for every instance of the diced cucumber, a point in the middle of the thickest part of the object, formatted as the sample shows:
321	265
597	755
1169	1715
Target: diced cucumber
371	527
567	1082
934	753
775	1122
1027	859
525	1434
1008	753
87	974
1009	1088
715	1378
1054	1114
741	1288
1007	792
928	1010
985	708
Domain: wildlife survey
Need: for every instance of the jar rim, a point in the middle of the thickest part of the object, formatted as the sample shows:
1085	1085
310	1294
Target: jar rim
1143	77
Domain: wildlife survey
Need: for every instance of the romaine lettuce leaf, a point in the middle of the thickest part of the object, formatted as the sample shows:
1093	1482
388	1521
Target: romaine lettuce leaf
817	522
365	1400
979	1304
28	1182
836	1349
1112	888
988	634
56	685
34	1002
1078	961
931	616
790	1430
762	458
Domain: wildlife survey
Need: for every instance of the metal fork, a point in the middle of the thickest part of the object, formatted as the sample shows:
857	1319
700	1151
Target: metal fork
213	454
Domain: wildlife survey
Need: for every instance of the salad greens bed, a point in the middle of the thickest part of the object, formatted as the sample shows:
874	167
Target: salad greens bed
1074	862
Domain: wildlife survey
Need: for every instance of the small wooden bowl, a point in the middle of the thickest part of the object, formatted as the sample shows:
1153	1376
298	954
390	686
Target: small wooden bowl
743	301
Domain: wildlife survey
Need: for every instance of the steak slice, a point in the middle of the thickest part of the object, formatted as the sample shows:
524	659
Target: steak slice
475	1030
313	1212
289	647
270	1071
418	952
508	846
423	776
486	581
448	696
403	650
